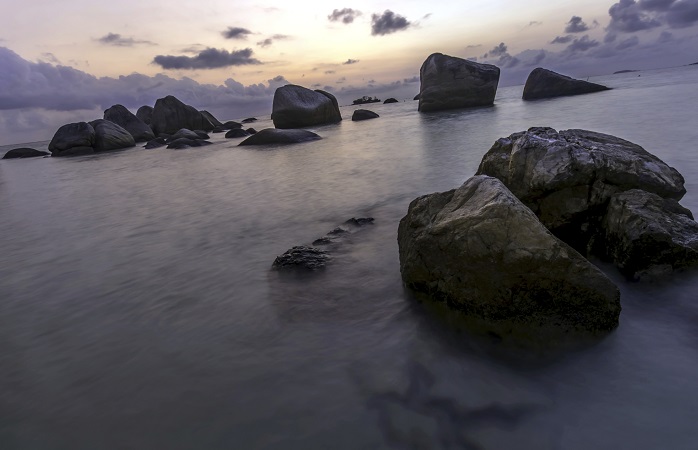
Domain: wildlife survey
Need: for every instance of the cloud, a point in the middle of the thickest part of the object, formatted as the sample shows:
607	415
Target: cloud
210	58
329	72
236	33
627	16
265	43
414	79
387	23
682	14
576	25
498	50
562	39
581	45
50	57
345	15
341	80
534	23
350	61
628	43
119	41
665	37
269	41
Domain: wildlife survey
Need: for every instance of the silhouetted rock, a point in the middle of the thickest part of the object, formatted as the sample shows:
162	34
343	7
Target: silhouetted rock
544	83
145	113
390	100
215	122
416	97
365	99
448	82
184	133
182	143
277	136
155	143
110	136
251	131
73	139
302	257
202	134
170	115
231	125
123	117
249	120
237	133
624	71
363	114
24	152
297	107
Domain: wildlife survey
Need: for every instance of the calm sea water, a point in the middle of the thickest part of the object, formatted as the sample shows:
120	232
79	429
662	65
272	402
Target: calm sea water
138	309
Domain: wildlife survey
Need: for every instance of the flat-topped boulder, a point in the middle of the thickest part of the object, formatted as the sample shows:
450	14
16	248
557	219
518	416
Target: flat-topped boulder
73	139
110	136
298	107
277	136
447	82
121	116
170	115
363	114
24	152
483	252
544	83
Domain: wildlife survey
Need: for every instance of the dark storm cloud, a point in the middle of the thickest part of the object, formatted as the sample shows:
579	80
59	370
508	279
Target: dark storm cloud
345	15
576	25
628	43
627	16
119	41
414	79
656	5
581	45
682	14
350	61
236	33
387	23
507	61
562	40
210	58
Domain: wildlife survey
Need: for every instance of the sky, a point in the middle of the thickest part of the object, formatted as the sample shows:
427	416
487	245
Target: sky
68	61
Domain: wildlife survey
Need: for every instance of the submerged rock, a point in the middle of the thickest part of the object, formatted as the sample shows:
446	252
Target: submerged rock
24	152
110	136
187	134
276	136
448	82
124	118
303	257
390	100
182	143
480	250
363	114
236	133
170	115
155	143
73	139
249	120
298	107
544	83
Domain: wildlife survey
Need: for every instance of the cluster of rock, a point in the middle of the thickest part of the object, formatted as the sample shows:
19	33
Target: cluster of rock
83	138
504	246
181	139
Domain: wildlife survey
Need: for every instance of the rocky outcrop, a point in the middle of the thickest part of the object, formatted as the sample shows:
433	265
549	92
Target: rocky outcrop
249	120
236	133
448	82
156	143
482	251
24	152
188	134
363	114
215	122
276	136
544	83
73	139
121	116
231	125
110	136
170	115
298	107
390	100
145	113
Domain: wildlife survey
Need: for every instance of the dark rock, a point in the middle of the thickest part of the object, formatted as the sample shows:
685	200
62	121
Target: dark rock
184	133
218	130
123	117
544	83
297	107
360	222
110	136
365	99
448	82
479	249
170	115
624	71
302	257
390	100
202	134
276	136
78	135
215	122
251	131
416	97
231	125
249	120
76	151
646	234
145	113
237	133
363	114
155	143
182	143
24	152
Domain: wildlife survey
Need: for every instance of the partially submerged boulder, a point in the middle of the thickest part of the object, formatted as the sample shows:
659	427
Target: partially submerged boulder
363	114
298	107
544	83
170	115
448	82
110	136
276	136
73	139
24	152
390	100
302	257
121	116
479	249
236	133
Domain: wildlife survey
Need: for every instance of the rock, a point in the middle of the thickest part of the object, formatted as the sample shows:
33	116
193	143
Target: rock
479	249
251	131
360	222
218	130
302	257
646	234
184	133
170	115
231	125
363	114
249	120
110	136
155	143
276	136
202	134
416	97
123	117
215	122
73	139
390	100
237	133
544	83
24	152
448	82
568	178
297	107
182	143
145	113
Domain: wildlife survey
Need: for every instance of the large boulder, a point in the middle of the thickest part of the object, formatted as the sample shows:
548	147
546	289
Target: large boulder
121	116
298	107
215	122
110	136
448	82
24	152
479	249
544	83
363	114
73	139
276	136
170	115
145	113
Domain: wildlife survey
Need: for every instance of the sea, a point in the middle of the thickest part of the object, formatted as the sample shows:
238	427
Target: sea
139	308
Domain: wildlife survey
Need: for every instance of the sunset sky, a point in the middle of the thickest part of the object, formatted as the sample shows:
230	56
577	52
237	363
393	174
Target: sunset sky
67	61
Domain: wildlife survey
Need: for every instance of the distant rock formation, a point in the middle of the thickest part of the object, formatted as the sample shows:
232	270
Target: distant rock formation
121	116
280	136
145	113
24	152
170	115
249	120
365	99
544	83
448	82
363	114
110	136
390	100
297	107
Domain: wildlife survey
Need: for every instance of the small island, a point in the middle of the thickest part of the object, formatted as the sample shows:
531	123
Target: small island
365	99
625	71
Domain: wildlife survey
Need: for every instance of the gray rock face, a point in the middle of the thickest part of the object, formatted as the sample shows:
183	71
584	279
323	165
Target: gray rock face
297	107
170	115
73	139
276	136
648	235
479	249
121	116
302	257
544	83
448	82
145	113
24	152
110	136
363	114
215	122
